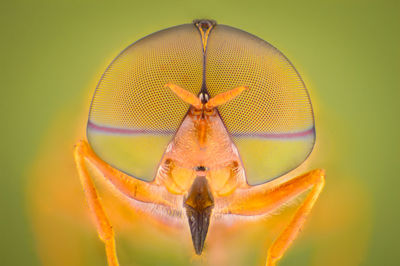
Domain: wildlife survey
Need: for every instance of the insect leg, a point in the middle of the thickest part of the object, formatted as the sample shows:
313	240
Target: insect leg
104	227
264	199
130	187
285	239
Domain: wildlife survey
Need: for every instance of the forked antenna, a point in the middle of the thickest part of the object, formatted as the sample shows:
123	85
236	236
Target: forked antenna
203	99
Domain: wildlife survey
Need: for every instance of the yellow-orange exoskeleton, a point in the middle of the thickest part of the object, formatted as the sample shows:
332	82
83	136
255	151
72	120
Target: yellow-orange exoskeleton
195	120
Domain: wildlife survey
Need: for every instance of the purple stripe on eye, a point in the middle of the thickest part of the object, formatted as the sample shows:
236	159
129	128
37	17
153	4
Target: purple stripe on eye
127	131
130	131
291	135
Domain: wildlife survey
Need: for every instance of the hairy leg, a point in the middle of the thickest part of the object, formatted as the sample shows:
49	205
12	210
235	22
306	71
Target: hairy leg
130	187
264	199
103	225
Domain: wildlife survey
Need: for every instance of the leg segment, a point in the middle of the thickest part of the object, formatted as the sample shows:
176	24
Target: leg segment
130	187
265	199
103	225
289	234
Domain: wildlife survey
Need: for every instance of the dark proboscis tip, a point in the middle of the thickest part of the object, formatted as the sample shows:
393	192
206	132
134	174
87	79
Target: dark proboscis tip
199	204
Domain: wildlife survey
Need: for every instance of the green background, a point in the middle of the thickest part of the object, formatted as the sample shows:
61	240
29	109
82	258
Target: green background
347	51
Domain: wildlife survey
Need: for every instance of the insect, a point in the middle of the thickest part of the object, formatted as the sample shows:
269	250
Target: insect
192	124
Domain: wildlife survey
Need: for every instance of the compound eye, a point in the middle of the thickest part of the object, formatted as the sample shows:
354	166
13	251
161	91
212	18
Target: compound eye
272	123
133	117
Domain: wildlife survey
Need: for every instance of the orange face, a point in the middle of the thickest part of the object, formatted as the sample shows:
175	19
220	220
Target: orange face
201	146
